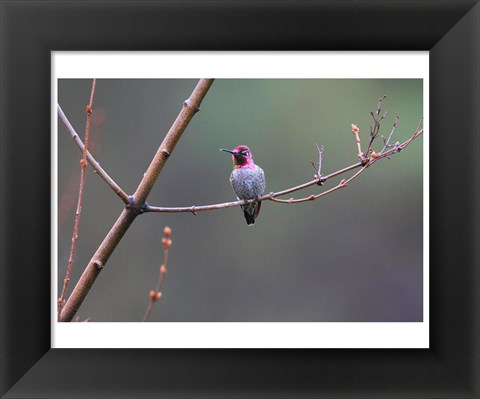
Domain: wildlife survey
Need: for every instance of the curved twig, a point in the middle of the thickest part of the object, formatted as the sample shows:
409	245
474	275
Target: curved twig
83	163
91	160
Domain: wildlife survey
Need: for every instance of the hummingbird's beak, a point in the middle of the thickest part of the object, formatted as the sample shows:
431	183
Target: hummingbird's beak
230	151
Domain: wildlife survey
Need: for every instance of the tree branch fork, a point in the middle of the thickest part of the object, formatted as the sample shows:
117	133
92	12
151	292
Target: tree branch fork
135	203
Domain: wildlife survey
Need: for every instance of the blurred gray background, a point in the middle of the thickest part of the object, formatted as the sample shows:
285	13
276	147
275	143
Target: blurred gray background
354	255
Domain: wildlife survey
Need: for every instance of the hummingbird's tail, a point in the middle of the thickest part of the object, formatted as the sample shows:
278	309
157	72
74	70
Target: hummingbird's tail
251	211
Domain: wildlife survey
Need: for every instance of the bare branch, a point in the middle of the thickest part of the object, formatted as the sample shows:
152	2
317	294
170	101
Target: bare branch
190	108
83	164
343	183
386	143
376	124
136	205
274	195
95	165
355	131
318	169
321	151
156	294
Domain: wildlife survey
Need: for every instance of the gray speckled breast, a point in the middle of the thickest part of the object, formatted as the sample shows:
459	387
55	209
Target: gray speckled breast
248	183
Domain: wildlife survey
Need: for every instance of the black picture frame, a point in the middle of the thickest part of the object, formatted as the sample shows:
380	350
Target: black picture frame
449	30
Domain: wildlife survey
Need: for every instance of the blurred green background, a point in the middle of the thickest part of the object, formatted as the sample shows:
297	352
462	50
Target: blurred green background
354	255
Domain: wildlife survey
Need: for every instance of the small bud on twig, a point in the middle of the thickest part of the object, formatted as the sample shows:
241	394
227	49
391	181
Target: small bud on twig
156	294
166	243
355	131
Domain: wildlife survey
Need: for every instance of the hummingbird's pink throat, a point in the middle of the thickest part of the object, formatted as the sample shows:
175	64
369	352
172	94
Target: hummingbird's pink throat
242	163
241	156
240	160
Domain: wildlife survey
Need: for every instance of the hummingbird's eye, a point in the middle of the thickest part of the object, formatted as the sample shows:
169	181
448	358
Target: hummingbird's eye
244	153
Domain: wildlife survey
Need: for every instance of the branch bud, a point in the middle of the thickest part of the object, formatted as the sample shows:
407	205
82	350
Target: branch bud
355	129
153	296
166	242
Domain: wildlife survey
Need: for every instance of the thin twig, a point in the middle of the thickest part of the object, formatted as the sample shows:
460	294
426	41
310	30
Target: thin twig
355	131
318	167
342	184
92	161
83	164
376	124
320	159
386	142
156	294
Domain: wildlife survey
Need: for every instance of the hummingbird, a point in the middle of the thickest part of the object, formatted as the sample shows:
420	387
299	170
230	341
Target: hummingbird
247	180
